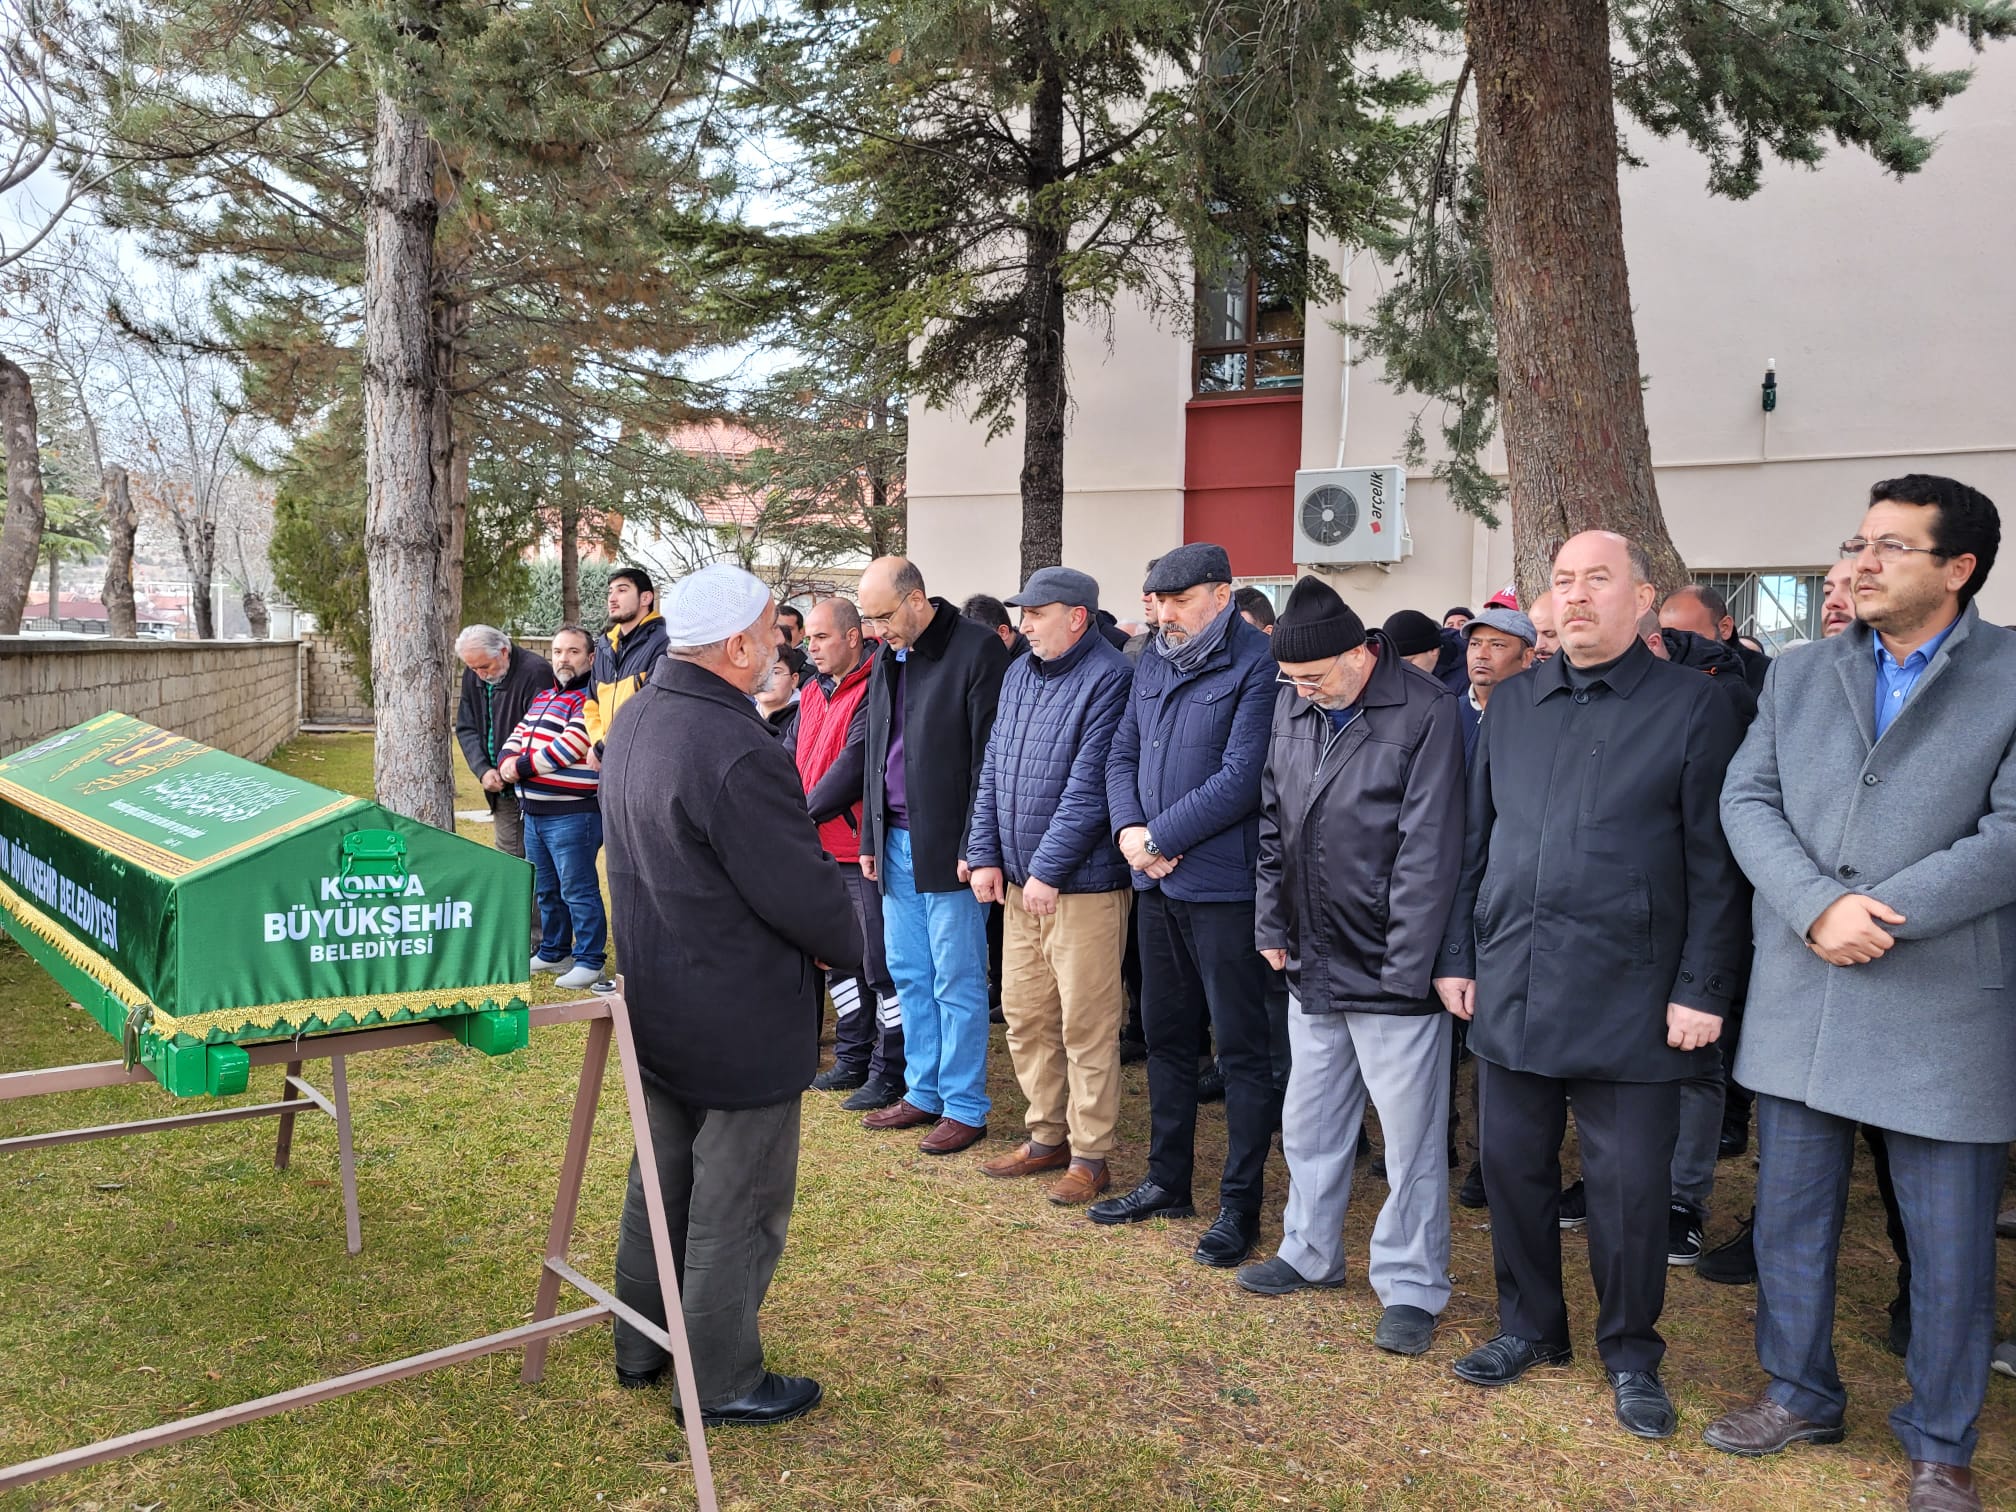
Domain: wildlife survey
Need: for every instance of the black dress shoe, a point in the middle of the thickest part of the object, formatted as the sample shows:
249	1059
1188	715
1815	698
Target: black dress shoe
1733	1263
1732	1143
1506	1358
876	1092
776	1399
839	1079
1132	1051
1146	1201
1228	1241
1643	1407
1211	1084
639	1380
1897	1338
1471	1193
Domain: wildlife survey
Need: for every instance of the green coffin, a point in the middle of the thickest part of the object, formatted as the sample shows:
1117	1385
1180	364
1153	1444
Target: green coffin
194	902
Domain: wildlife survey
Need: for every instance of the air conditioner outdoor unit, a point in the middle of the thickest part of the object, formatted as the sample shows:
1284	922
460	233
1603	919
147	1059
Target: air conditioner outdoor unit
1349	515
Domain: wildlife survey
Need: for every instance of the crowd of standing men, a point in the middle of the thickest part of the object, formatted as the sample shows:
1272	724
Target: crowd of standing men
1586	842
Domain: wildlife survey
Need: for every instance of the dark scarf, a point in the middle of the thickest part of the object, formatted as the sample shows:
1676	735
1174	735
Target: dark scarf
1189	656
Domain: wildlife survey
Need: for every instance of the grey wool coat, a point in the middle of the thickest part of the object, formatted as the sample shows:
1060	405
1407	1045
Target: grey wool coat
1920	1040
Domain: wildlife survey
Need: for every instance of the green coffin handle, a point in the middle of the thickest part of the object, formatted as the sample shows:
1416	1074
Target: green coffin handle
495	1031
374	853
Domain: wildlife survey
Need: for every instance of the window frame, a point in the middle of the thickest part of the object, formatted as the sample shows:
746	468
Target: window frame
1250	349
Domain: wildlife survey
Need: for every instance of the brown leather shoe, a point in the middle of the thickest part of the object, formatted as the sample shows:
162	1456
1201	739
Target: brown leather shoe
1024	1161
1079	1184
952	1136
898	1115
1942	1488
1764	1427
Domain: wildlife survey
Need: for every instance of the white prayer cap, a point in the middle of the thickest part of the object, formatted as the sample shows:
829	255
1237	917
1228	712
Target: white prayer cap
712	604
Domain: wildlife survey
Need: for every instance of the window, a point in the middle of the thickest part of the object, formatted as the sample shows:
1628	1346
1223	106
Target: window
1775	609
1249	337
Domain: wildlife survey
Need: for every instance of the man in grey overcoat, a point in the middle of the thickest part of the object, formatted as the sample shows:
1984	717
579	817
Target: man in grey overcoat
1873	804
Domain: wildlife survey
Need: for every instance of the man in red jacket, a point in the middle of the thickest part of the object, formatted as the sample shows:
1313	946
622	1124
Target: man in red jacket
828	740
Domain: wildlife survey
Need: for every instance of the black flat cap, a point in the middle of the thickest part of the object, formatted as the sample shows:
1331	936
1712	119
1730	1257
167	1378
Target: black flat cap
1187	566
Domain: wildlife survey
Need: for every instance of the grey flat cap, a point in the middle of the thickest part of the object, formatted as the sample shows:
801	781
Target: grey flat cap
1511	621
1187	566
1058	585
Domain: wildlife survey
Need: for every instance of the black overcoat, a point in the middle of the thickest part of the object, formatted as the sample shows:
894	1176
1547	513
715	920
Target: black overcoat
722	899
1597	886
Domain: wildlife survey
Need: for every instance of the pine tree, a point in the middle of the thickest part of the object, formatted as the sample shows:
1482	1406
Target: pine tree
1520	216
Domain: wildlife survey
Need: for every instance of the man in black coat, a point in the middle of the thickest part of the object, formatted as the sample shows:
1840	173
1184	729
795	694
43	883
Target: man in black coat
1361	843
728	910
499	682
931	699
1596	942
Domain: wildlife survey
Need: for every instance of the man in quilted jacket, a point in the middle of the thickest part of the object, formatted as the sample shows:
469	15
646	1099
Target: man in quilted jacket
1040	845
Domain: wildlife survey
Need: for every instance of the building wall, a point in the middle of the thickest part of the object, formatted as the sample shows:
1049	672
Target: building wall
1886	305
332	695
239	696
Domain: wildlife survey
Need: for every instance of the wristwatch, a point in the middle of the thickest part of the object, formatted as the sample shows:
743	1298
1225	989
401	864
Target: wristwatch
1148	844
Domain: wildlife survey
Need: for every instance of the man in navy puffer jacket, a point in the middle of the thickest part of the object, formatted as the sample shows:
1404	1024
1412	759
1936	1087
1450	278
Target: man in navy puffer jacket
1040	845
1183	787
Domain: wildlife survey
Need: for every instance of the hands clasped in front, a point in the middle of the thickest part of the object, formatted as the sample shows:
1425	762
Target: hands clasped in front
1686	1028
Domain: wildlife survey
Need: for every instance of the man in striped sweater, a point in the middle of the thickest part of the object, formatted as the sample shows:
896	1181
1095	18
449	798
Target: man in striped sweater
546	758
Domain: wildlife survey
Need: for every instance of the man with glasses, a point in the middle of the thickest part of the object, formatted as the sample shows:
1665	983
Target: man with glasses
932	693
1361	844
1183	793
1874	807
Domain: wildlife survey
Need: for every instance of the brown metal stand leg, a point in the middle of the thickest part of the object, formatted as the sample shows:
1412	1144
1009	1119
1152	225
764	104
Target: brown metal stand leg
560	1232
346	1156
661	1246
283	1147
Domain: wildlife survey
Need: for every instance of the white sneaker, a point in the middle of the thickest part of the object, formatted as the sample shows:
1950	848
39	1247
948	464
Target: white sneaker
540	963
579	976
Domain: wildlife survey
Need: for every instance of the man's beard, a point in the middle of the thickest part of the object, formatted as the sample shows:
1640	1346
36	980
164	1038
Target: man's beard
764	683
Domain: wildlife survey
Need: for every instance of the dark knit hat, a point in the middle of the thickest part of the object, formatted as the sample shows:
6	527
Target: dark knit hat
1410	632
1315	623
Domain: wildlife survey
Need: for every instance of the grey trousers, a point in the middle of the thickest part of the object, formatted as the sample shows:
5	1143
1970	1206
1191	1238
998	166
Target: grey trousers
1402	1062
1700	1141
729	1179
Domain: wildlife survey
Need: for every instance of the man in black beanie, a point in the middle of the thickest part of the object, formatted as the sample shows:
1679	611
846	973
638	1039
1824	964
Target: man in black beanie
1361	849
1183	797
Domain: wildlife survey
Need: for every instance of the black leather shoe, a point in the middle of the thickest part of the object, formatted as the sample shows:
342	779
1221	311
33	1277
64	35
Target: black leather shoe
1211	1084
1733	1263
639	1380
1732	1143
876	1092
1506	1358
839	1079
1132	1051
1471	1193
1405	1330
1897	1338
1228	1241
1146	1201
776	1399
1643	1407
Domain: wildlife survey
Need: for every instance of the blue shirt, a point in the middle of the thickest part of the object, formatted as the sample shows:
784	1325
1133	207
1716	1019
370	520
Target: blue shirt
1894	683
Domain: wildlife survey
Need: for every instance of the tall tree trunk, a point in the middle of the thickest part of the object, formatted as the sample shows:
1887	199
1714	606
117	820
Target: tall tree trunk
120	524
1568	375
450	453
404	527
202	537
257	618
55	588
21	535
570	538
1044	398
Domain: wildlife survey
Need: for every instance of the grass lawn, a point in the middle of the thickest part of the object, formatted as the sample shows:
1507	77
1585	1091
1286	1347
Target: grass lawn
980	1349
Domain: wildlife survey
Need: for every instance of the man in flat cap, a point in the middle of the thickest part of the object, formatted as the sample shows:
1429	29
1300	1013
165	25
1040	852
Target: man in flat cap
726	908
1041	846
1183	790
1361	846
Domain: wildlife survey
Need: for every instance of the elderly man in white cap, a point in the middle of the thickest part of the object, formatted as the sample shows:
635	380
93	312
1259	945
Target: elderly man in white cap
727	910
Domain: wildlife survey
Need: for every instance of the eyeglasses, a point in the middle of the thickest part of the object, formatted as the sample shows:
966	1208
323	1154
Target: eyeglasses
1306	680
1886	549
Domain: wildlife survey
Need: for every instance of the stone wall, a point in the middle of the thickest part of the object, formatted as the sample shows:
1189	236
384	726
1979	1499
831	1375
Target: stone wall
331	694
239	696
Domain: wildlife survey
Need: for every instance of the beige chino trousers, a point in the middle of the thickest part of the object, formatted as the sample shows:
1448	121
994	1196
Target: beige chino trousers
1062	997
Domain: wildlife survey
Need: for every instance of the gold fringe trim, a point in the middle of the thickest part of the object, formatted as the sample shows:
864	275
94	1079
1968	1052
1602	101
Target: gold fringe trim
385	1005
75	951
260	1016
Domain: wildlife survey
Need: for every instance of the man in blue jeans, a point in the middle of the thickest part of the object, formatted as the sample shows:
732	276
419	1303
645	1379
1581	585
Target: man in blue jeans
548	758
931	699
